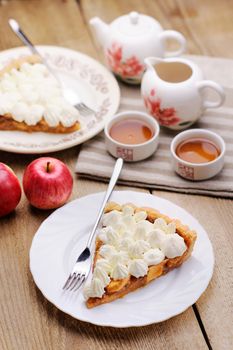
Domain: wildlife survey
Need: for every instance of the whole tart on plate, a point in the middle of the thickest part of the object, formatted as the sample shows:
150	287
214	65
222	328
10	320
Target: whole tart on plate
31	99
134	247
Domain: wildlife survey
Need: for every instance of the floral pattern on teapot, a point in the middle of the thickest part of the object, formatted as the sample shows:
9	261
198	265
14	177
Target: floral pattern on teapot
165	116
129	39
129	70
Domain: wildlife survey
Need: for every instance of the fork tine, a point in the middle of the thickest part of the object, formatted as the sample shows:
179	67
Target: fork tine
86	113
90	110
75	282
71	281
78	106
82	111
67	281
82	279
84	108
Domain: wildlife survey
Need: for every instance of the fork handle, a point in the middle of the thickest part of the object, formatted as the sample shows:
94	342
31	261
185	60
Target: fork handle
115	175
23	37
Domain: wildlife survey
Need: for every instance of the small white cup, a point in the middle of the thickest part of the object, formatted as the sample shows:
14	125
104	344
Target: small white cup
132	153
198	171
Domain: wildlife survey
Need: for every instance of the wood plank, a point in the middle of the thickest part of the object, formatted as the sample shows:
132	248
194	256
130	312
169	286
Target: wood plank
46	23
215	305
28	320
207	25
34	323
208	29
170	334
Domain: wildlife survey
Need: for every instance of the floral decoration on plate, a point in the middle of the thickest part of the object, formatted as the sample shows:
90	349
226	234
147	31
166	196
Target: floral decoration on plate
95	86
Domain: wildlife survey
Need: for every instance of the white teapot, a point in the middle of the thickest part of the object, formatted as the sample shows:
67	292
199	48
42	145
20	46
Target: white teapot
129	39
173	91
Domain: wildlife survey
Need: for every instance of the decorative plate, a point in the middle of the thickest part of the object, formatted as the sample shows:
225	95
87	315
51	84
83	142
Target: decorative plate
62	237
95	86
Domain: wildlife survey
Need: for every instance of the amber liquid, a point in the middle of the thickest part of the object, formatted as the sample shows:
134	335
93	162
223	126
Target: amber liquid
197	150
131	132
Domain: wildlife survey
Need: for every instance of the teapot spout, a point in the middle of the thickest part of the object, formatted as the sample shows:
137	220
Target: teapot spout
150	62
101	29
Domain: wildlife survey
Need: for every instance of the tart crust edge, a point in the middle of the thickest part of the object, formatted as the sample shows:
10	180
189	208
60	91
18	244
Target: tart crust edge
132	283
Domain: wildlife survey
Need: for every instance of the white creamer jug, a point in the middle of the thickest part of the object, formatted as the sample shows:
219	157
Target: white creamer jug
173	91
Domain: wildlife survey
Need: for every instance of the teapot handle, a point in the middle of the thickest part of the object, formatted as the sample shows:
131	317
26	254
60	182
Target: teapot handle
174	35
217	88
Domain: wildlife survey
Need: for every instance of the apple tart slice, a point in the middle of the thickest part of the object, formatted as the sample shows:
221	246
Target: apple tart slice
134	247
31	99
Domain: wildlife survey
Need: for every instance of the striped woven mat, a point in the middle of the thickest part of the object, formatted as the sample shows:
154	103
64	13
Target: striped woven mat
94	162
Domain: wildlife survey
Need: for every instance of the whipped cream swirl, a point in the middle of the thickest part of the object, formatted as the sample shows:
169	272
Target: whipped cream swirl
31	92
130	244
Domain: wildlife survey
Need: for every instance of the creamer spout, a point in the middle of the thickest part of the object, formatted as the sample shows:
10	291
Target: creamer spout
150	62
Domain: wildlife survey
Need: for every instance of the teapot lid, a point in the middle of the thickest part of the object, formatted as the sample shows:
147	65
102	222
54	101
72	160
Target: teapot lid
135	24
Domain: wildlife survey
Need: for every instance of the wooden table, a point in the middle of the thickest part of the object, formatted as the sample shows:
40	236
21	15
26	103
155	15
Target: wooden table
27	319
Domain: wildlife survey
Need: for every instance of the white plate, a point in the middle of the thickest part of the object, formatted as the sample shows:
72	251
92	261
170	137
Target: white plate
95	85
62	237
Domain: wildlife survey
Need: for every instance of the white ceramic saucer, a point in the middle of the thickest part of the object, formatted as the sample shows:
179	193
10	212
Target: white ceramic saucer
95	86
62	237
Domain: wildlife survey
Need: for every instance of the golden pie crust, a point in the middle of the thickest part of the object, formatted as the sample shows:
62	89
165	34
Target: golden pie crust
7	121
119	288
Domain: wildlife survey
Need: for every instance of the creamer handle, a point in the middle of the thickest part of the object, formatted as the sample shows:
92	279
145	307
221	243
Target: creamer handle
214	86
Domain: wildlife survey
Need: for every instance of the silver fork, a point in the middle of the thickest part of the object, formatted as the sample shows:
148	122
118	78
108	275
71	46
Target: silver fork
68	93
83	264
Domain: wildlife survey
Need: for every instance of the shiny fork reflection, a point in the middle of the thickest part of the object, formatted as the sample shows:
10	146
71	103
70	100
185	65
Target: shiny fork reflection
83	264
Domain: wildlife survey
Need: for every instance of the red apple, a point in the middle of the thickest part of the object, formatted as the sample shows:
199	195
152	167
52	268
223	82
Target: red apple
10	190
47	183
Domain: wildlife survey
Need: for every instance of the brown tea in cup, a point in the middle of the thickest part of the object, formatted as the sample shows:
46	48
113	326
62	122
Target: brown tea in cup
131	131
197	150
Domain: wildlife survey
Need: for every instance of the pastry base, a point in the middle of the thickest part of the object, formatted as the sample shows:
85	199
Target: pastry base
119	288
8	123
